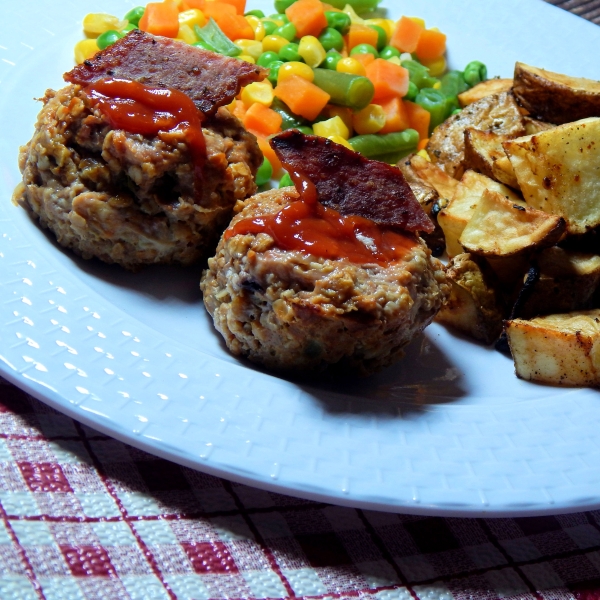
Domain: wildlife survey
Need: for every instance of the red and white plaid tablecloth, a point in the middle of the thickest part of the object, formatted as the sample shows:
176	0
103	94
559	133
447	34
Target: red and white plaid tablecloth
83	516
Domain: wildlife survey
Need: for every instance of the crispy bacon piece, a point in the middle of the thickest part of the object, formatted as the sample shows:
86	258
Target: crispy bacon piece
351	183
210	80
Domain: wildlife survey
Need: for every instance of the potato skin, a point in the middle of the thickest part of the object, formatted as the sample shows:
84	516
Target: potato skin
554	97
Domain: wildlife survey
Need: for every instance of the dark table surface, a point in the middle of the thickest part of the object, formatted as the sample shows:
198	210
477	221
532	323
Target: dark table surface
83	516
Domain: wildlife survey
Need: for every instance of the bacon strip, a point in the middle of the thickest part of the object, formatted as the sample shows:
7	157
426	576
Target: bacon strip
351	183
210	80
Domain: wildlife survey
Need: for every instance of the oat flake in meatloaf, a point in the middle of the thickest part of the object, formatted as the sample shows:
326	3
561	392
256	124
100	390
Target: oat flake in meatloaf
289	310
130	198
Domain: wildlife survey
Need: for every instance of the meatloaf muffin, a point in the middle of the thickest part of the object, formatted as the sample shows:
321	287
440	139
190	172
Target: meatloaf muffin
290	310
128	198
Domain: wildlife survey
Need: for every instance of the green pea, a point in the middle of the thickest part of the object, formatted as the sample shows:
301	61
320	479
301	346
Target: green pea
456	111
255	13
135	14
129	27
282	5
412	92
108	38
264	173
289	52
338	20
331	39
287	31
364	49
286	181
381	36
279	17
269	26
274	70
266	58
475	72
332	58
434	102
388	51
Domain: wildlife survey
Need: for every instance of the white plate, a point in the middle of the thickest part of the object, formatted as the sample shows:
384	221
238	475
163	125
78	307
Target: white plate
448	431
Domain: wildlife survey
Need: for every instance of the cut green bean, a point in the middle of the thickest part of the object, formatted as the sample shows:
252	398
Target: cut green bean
373	145
214	38
418	73
381	36
360	6
289	119
345	89
435	103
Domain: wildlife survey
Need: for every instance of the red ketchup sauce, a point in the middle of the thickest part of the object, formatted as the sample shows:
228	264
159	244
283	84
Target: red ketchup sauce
306	225
138	108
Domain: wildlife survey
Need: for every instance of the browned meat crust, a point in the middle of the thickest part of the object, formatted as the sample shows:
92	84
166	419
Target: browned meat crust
128	198
293	311
210	80
350	183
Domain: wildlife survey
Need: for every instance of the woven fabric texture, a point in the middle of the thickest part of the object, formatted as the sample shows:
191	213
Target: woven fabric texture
83	516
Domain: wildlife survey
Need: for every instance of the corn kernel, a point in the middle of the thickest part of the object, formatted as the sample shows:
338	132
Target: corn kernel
84	50
250	47
295	68
340	140
352	66
257	27
370	119
354	18
331	127
437	67
274	43
259	91
437	85
424	154
419	21
395	60
192	17
96	23
186	34
247	58
343	112
386	24
277	22
311	50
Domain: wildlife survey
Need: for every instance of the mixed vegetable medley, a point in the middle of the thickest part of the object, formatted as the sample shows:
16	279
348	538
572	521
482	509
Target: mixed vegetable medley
373	84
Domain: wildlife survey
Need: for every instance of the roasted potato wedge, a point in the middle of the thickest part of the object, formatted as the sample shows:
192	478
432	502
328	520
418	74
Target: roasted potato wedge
554	97
474	308
567	281
561	349
454	217
416	168
428	198
534	126
500	227
483	89
498	113
484	153
558	171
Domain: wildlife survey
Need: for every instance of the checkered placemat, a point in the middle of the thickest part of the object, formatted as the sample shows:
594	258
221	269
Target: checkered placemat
83	516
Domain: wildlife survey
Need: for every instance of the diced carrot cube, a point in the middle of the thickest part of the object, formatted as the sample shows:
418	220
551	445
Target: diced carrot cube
396	116
269	154
364	59
160	18
188	4
406	35
239	5
262	120
308	16
419	118
361	34
431	46
303	97
388	79
234	26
